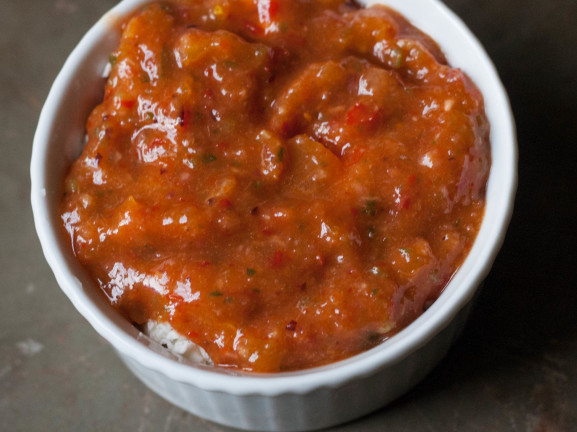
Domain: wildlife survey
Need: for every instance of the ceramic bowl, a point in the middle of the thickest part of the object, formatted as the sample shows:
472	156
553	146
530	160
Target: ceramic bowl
296	401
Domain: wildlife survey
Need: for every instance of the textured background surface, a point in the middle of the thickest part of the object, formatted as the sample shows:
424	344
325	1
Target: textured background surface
515	367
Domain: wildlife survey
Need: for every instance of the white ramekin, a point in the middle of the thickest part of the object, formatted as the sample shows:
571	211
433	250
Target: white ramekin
295	401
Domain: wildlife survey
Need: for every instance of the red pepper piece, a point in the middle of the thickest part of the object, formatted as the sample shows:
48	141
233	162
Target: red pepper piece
127	103
277	259
361	113
354	155
224	203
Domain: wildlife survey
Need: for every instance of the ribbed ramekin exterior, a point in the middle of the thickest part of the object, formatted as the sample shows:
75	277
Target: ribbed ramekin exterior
320	408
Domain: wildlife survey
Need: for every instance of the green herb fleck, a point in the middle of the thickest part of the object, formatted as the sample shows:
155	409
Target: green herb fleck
357	66
397	57
280	154
250	272
372	338
112	59
216	294
71	185
372	232
370	208
208	158
230	64
165	61
261	51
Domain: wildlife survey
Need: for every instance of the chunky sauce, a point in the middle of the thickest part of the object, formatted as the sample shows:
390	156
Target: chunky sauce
287	183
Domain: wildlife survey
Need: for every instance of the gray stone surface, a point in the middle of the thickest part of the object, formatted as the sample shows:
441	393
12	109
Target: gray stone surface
515	367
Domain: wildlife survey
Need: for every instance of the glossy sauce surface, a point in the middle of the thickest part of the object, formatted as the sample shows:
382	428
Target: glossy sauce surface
288	183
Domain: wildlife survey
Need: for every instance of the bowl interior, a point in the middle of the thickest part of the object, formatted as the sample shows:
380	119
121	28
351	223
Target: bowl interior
60	136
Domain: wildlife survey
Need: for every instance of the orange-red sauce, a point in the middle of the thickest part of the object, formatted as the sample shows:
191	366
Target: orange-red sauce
288	183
